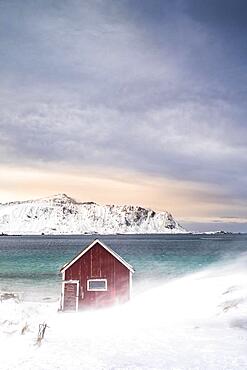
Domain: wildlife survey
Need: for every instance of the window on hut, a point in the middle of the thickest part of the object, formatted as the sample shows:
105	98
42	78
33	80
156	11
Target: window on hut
97	285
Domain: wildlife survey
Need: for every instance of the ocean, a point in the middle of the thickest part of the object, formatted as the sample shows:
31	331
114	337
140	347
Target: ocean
31	264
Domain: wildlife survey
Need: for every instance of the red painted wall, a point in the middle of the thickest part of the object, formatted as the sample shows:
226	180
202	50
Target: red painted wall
99	263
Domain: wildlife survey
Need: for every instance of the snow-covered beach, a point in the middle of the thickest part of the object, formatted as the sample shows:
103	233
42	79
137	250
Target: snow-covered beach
198	321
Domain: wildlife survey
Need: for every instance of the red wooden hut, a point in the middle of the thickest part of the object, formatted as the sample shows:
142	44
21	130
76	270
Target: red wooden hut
96	277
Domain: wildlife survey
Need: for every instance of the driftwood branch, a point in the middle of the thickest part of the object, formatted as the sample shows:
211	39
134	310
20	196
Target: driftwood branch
41	333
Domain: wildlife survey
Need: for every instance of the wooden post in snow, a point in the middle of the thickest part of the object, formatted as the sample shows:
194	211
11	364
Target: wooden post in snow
41	333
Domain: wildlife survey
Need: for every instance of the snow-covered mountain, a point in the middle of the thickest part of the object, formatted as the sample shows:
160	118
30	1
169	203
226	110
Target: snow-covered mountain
61	214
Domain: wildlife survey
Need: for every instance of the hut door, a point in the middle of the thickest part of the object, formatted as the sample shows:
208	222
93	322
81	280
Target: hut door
70	295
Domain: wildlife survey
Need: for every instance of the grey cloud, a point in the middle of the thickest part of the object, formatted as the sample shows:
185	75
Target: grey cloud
112	83
220	13
160	142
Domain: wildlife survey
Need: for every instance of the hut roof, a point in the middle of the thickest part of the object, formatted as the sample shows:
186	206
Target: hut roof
85	250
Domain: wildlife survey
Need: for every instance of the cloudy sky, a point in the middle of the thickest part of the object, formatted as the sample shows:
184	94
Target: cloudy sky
127	101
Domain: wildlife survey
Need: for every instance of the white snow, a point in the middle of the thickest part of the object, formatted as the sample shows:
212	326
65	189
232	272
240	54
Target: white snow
61	214
195	322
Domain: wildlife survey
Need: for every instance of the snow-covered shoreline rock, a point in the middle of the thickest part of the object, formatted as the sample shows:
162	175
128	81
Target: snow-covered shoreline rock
61	214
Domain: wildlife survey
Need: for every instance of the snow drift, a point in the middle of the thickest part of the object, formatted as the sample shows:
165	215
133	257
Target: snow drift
197	322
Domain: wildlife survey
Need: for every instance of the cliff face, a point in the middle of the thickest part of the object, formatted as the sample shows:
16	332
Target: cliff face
61	214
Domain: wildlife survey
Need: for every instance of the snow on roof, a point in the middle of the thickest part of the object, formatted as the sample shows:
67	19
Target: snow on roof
120	259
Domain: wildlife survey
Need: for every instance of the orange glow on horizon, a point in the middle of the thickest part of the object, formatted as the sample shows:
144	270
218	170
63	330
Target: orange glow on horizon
106	186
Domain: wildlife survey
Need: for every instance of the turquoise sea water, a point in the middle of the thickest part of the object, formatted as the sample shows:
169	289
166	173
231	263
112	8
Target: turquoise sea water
31	264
